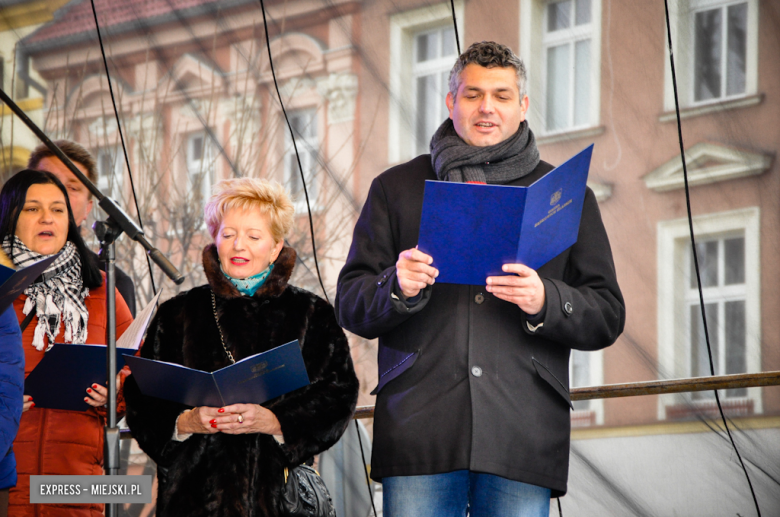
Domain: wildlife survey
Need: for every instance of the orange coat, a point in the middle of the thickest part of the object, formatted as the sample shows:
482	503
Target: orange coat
52	441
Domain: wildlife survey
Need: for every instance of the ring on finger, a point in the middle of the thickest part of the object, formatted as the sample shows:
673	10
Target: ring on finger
240	418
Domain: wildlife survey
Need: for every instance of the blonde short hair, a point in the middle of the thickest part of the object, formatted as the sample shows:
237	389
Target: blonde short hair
247	194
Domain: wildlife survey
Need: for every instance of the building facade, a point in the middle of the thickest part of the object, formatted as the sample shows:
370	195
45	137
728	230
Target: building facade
363	84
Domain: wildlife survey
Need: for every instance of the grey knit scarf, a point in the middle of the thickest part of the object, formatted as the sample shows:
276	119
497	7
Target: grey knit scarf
455	160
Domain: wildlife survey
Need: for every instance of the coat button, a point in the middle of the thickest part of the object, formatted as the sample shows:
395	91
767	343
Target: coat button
476	371
568	307
479	298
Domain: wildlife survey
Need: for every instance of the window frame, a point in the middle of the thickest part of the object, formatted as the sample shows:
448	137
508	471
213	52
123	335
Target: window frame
681	22
672	304
209	156
719	294
306	144
116	189
433	67
569	37
698	6
533	17
403	27
594	407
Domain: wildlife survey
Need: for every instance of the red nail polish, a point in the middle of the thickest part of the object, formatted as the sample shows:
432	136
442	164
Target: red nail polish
32	405
214	425
89	390
94	385
221	410
213	421
30	398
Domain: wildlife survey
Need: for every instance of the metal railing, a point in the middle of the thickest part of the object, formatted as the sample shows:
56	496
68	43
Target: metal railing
635	389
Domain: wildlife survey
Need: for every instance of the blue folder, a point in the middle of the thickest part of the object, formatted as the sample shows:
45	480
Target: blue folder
13	282
61	379
252	380
471	230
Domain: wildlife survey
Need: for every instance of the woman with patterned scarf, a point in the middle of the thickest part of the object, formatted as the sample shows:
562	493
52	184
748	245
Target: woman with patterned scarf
65	304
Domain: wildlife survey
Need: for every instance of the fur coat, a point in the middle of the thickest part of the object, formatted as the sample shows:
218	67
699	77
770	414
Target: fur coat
242	475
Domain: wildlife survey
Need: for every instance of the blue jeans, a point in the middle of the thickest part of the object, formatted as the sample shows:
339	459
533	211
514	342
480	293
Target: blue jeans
455	493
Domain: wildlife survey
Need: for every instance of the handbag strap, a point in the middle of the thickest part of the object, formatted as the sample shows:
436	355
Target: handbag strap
27	320
287	471
222	338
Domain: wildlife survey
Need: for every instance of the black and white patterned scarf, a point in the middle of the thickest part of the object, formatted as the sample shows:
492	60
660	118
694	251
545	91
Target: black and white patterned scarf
58	298
455	160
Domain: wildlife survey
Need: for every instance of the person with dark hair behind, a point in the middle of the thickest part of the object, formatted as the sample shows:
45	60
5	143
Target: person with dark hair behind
67	304
43	159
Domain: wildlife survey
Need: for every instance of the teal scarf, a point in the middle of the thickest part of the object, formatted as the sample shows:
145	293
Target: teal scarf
249	286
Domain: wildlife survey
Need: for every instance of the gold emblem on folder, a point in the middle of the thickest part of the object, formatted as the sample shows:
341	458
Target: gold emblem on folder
556	196
259	367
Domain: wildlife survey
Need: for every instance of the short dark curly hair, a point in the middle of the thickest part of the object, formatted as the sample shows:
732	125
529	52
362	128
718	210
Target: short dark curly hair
76	152
488	54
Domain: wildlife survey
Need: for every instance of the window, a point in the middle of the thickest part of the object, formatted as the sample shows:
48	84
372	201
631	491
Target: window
422	53
722	270
201	166
560	45
727	245
109	171
22	76
715	46
567	42
586	369
719	40
434	54
304	125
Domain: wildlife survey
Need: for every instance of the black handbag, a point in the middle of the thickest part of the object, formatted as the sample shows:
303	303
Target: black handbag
304	494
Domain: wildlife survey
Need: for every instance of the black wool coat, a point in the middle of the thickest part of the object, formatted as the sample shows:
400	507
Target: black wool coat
464	383
242	475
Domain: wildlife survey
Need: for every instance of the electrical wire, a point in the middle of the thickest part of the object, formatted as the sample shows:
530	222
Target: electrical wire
122	138
455	25
297	155
695	256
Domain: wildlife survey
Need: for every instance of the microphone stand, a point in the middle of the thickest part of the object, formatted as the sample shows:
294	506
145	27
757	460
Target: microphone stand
107	232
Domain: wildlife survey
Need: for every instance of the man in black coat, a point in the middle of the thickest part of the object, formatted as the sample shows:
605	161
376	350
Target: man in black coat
80	198
472	407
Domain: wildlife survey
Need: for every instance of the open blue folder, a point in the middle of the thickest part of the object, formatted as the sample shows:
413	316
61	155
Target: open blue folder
13	282
66	371
471	231
252	380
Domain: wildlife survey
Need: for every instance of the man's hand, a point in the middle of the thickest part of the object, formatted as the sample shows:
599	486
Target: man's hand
524	288
414	272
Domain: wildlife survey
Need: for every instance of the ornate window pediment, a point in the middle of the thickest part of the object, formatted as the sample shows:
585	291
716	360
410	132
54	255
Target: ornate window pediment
193	76
707	163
